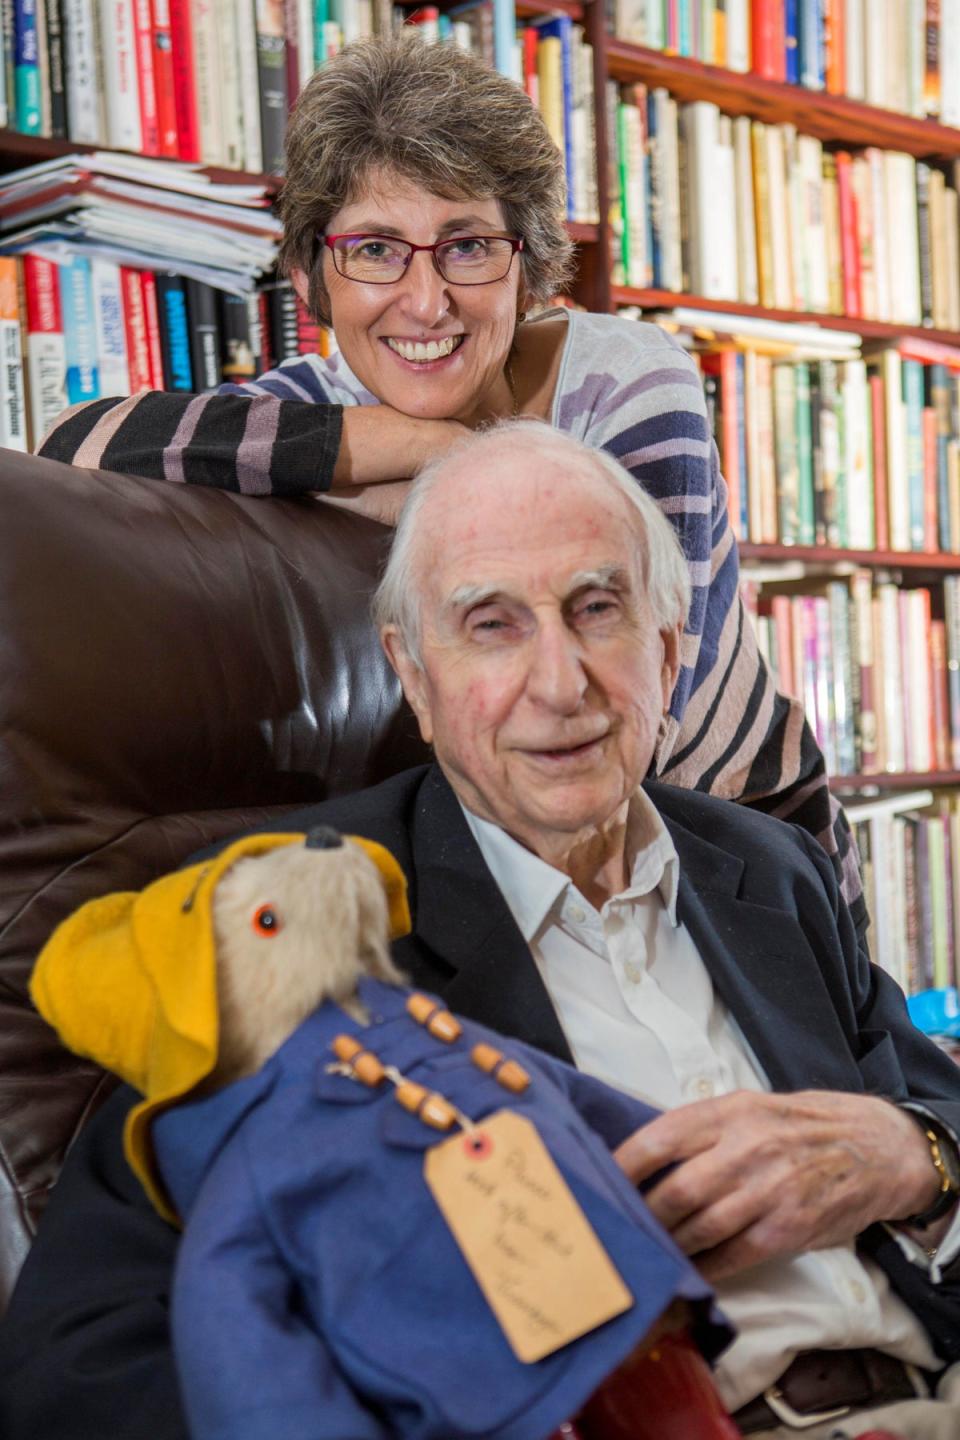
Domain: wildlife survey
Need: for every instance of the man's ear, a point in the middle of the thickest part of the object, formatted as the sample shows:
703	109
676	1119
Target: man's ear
411	676
671	660
301	283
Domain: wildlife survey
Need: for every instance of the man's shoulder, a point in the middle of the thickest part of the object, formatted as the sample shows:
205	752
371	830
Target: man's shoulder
380	812
727	824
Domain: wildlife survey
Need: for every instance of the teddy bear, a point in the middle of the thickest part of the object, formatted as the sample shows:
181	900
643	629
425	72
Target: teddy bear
395	1222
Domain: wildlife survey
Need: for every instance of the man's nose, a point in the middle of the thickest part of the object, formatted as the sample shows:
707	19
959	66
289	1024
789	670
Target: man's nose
425	295
557	677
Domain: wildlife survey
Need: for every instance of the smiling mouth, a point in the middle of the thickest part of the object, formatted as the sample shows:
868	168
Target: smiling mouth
567	752
421	352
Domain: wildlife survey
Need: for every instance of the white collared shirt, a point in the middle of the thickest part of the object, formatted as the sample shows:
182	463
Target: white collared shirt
638	1009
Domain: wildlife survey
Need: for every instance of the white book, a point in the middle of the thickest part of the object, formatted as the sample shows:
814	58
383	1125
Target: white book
668	119
857	465
738	35
894	730
816	279
119	43
896	436
854	57
901	191
779	220
747	284
917	695
13	414
897	52
655	32
635	162
249	85
875	53
592	202
85	107
795	217
207	80
881	238
630	21
578	120
112	360
305	59
230	102
712	241
950	66
952	230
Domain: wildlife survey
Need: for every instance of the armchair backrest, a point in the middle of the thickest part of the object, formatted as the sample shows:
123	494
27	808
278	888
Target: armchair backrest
176	664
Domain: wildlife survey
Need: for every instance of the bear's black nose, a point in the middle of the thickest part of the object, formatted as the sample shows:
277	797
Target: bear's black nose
323	837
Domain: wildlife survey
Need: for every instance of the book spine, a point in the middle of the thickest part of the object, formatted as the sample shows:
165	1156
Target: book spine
27	68
939	695
46	355
56	71
168	139
111	344
879	442
146	77
861	591
204	333
79	331
249	83
13	414
184	84
135	331
272	81
230	90
849	244
913	408
806	534
768	45
174	332
238	360
951	607
206	76
118	38
151	314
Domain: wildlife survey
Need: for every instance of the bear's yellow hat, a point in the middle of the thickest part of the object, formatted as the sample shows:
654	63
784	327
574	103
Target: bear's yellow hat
130	982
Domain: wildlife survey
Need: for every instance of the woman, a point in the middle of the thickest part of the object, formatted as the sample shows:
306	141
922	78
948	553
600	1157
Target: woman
423	216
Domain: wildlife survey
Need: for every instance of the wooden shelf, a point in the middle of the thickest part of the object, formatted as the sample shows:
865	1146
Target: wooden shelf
869	329
870	559
906	780
831	118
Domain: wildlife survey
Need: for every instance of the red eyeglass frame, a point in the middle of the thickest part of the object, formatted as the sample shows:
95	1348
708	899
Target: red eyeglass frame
516	246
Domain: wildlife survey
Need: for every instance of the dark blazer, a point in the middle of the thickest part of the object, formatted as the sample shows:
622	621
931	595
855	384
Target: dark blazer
84	1350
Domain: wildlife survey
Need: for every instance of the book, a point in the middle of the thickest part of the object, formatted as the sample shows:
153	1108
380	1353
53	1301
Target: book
248	82
110	334
56	73
13	415
168	138
146	77
272	84
119	44
207	80
184	79
174	332
46	353
26	67
79	330
238	362
204	333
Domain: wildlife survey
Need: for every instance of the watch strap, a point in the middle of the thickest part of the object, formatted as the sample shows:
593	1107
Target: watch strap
945	1157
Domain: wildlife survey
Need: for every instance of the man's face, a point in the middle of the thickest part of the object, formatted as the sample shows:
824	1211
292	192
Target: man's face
543	674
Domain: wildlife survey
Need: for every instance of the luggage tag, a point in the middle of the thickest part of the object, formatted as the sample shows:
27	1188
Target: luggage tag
531	1249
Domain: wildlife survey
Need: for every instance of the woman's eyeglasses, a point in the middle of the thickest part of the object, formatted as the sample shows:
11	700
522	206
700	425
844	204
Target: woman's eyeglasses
383	259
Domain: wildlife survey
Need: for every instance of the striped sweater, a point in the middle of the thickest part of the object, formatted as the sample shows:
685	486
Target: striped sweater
623	386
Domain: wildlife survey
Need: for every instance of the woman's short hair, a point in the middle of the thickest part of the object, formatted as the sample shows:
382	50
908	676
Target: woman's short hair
435	116
663	566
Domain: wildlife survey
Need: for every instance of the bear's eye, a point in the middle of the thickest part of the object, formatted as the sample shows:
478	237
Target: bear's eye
266	921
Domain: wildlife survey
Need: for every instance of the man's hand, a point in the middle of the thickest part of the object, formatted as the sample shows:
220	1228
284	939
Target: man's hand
762	1175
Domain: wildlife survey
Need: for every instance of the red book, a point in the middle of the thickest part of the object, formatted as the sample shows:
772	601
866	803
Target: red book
531	80
163	85
184	88
135	330
881	507
146	81
46	367
308	331
849	237
42	282
769	40
266	360
151	312
724	366
836	54
291	26
930	543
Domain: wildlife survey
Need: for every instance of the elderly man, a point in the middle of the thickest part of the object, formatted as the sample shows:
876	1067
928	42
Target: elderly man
688	951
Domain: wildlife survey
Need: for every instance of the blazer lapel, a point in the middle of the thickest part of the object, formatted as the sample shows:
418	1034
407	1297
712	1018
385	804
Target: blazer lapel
764	970
465	926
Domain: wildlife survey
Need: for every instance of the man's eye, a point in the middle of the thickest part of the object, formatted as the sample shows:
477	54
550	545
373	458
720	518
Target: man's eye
600	608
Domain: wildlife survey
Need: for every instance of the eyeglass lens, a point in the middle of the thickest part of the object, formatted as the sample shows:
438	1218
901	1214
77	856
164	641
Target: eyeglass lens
467	260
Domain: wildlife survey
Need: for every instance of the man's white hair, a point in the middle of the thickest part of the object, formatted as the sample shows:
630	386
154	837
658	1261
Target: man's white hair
663	567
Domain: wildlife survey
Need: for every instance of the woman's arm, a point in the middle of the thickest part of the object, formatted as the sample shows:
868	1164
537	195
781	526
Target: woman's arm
251	443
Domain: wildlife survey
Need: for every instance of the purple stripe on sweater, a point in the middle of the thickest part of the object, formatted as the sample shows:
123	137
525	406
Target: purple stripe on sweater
253	452
173	453
667	450
600	396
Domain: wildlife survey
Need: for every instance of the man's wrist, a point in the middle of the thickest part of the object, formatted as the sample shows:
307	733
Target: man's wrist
944	1160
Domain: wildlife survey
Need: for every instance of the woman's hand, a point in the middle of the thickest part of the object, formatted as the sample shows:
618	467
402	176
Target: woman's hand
380	444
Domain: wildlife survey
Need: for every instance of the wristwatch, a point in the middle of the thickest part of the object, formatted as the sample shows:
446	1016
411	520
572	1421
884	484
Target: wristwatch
945	1154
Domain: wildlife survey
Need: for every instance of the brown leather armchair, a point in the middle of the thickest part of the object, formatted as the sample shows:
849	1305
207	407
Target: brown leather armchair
176	664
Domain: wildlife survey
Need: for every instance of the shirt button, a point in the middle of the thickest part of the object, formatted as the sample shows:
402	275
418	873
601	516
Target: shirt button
704	1087
577	915
633	971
